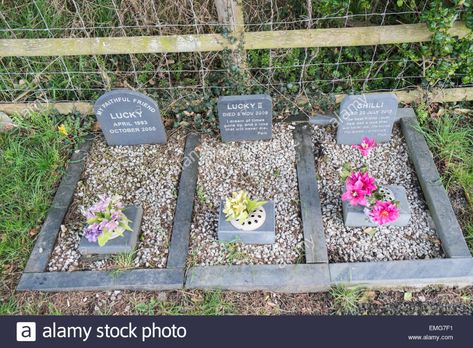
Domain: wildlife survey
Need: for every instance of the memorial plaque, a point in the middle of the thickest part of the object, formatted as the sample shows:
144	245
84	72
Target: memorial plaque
129	118
370	115
245	117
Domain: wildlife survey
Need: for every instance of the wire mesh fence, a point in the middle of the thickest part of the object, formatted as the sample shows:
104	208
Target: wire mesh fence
171	76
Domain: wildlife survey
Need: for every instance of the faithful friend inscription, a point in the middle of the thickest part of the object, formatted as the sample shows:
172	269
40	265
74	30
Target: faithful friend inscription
245	117
370	115
129	118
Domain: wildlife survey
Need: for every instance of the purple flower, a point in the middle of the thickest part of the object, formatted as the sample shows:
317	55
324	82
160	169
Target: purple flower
92	232
116	214
111	225
107	216
102	205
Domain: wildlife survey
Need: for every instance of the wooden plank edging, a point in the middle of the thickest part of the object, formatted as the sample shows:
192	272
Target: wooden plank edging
87	108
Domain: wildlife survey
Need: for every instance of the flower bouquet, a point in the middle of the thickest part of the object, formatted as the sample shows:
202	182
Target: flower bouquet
361	189
105	220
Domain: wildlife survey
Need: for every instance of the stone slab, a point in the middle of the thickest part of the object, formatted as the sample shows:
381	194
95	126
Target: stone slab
327	120
275	278
263	235
405	113
118	245
314	238
179	245
46	240
354	216
371	115
245	117
446	224
415	273
139	279
129	118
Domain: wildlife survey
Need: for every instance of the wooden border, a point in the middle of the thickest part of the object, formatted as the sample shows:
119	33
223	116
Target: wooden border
446	224
44	245
332	37
178	248
311	210
35	276
86	108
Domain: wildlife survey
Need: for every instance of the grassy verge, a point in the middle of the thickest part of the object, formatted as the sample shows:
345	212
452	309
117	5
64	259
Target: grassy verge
32	161
449	134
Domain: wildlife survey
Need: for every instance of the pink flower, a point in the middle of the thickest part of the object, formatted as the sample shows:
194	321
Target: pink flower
366	146
384	212
365	184
355	194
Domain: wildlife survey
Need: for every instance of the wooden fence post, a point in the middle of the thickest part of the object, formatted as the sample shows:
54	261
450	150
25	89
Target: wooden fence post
230	13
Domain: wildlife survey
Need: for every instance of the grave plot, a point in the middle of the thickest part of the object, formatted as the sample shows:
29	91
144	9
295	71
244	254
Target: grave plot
427	249
389	163
266	169
143	175
120	217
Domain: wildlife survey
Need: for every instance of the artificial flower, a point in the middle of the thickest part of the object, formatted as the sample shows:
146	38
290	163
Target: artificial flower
384	212
367	144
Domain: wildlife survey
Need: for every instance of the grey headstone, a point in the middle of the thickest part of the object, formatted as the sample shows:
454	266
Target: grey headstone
262	235
129	118
117	245
371	115
354	216
245	117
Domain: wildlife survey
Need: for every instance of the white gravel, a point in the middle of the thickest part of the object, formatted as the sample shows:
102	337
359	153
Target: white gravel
267	170
389	164
143	174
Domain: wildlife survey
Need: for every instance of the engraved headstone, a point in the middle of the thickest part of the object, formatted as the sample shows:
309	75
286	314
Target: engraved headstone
129	118
245	117
370	115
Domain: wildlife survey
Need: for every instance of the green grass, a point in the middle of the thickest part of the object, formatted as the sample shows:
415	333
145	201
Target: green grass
450	137
124	261
210	303
345	300
32	159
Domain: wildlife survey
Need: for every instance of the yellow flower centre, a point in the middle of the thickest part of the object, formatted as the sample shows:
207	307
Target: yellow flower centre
384	213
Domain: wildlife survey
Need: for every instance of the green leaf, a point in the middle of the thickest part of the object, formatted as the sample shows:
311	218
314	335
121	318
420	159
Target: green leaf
243	216
92	220
125	226
104	238
371	231
253	205
408	296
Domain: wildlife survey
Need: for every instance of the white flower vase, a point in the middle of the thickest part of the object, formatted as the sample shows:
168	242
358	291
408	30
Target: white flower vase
254	221
388	195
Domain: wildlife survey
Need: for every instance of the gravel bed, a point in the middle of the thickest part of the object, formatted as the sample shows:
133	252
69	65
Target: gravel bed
143	174
267	170
389	164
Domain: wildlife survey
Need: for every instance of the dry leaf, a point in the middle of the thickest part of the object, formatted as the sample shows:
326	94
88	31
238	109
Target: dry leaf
33	232
95	127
